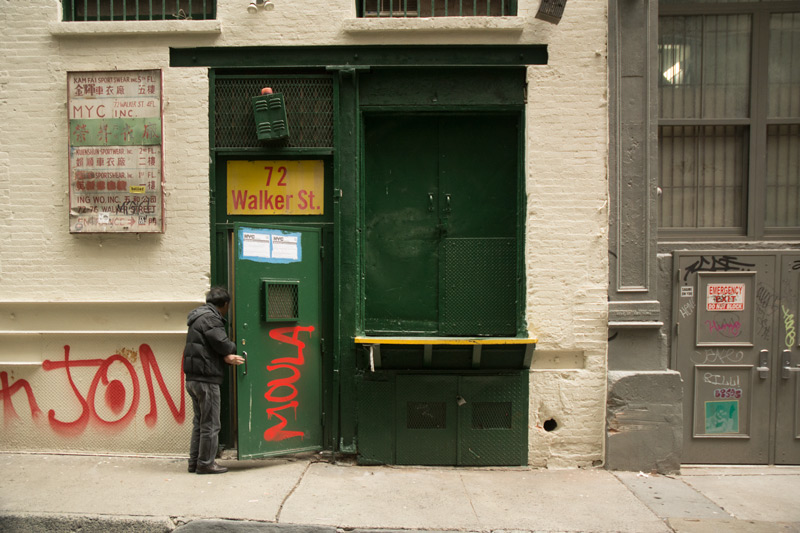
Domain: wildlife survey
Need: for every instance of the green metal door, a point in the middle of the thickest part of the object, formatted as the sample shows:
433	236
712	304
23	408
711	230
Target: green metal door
277	316
478	248
440	226
427	419
402	225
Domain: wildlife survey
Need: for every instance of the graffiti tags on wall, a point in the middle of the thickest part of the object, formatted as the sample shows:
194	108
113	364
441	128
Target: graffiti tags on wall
711	356
722	263
789	327
721	380
687	309
283	391
114	393
727	327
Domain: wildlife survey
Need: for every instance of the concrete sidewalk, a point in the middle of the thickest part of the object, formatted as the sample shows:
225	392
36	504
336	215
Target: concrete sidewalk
96	493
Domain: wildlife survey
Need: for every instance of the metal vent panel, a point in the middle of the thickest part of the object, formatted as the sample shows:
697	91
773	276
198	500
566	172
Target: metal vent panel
426	415
491	415
282	301
480	287
309	111
493	424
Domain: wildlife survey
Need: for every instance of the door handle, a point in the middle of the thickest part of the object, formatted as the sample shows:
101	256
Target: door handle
786	365
763	364
244	354
447	207
430	201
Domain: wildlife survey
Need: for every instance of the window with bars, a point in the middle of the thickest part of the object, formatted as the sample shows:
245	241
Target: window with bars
729	118
115	10
436	8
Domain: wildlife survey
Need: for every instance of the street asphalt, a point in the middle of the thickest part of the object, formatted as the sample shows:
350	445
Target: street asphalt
324	494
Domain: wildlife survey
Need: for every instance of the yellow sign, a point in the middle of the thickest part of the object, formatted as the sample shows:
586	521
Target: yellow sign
276	187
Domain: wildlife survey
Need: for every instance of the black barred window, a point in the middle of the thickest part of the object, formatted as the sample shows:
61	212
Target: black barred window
436	8
115	10
729	119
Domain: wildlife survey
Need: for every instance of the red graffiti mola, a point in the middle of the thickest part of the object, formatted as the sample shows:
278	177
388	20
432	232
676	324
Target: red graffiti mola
289	335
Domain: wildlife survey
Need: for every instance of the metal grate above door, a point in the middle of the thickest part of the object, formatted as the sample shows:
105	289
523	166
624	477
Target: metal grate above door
309	110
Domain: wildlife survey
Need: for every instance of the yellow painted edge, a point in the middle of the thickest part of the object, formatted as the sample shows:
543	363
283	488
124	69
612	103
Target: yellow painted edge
440	340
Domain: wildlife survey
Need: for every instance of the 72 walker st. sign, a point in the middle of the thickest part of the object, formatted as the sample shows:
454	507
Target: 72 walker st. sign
276	187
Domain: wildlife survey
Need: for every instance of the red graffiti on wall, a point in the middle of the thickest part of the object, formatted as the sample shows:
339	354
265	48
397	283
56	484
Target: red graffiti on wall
114	393
277	432
7	391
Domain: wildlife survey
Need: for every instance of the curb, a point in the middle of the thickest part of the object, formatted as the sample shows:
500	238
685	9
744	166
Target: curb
65	523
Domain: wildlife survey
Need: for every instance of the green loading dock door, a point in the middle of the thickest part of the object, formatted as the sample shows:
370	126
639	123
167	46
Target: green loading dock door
444	401
448	381
441	224
424	200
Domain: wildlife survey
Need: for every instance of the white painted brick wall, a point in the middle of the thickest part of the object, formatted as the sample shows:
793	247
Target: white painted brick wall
567	236
566	178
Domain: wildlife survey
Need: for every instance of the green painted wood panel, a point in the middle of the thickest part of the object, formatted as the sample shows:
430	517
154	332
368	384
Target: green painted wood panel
437	185
401	224
277	305
427	419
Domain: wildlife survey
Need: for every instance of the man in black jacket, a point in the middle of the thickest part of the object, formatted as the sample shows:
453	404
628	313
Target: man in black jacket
207	350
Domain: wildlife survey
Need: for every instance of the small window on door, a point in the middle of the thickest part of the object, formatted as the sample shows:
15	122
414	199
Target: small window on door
281	300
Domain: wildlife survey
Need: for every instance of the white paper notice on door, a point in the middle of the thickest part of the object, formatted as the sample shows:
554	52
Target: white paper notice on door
285	247
255	244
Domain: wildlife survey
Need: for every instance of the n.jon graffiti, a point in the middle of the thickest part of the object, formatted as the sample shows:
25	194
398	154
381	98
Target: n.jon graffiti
114	393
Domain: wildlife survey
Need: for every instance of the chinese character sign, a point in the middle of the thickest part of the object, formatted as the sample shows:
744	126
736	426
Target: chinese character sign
115	152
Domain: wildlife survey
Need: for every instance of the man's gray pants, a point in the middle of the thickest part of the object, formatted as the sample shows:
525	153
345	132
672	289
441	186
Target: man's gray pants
205	424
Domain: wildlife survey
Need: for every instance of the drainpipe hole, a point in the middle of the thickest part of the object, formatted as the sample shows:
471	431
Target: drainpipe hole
550	425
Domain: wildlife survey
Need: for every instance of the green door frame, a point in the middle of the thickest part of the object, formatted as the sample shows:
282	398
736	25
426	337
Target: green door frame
343	63
221	225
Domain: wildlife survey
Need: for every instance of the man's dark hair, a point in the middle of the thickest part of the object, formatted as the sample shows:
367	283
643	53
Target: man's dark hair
218	296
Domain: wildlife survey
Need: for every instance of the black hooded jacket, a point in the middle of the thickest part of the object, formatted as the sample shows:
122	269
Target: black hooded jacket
207	344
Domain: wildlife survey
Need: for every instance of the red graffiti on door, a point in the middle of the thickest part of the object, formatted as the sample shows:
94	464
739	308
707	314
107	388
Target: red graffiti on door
287	396
114	391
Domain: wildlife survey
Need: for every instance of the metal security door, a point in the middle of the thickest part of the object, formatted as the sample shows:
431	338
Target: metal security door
723	347
478	266
401	230
787	309
278	331
440	224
